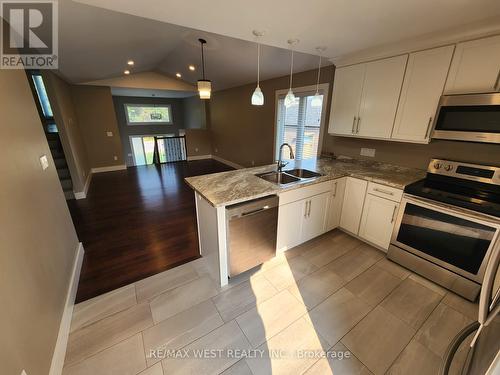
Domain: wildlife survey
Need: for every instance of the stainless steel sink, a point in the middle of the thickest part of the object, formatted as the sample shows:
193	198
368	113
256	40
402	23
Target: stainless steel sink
289	177
278	178
303	173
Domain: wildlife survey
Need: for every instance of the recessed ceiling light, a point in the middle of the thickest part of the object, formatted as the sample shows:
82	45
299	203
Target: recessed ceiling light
178	75
130	62
191	67
126	72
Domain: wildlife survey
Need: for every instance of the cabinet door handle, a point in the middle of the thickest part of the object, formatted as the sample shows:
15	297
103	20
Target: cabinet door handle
335	191
305	210
497	82
353	124
394	214
309	212
383	191
357	125
429	125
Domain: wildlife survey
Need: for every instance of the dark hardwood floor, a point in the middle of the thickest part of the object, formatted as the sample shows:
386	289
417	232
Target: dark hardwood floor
136	223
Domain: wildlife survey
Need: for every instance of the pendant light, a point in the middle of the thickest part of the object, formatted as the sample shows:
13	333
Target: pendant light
317	100
258	96
290	97
204	85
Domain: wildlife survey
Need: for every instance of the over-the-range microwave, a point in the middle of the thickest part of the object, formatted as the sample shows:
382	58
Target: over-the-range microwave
468	117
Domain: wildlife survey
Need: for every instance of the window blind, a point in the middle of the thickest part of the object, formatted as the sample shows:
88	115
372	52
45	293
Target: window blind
299	126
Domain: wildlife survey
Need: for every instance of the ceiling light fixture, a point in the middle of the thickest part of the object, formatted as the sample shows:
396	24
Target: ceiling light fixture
317	100
191	68
126	72
290	97
178	75
258	96
204	85
130	62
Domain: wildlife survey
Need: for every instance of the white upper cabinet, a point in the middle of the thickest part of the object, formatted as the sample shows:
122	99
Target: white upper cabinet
347	89
379	100
475	67
422	87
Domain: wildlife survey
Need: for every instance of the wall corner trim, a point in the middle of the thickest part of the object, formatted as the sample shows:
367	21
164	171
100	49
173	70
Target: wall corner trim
57	363
227	162
110	168
199	157
83	194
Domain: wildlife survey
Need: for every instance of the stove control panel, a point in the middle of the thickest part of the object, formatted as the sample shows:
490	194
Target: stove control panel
475	172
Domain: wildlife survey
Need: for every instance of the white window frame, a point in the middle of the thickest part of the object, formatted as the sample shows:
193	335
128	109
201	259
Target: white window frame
324	89
169	106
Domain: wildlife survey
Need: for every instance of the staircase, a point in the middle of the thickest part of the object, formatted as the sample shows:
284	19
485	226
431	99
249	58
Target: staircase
60	163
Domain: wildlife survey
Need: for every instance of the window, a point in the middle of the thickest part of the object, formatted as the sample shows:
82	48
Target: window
300	125
43	104
148	114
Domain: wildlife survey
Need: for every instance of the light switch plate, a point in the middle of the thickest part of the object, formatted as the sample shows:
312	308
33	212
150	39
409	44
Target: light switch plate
109	134
368	152
44	162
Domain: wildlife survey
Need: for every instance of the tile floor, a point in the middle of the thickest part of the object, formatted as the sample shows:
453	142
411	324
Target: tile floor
333	294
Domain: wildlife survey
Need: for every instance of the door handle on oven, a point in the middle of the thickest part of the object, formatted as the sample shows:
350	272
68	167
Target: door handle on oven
394	213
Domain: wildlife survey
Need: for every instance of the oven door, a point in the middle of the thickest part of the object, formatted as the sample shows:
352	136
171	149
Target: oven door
445	236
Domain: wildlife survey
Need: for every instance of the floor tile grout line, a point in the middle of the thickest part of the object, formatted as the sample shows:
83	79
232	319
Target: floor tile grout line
416	332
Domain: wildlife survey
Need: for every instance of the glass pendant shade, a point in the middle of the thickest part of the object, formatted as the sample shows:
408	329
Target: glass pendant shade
317	100
257	97
204	88
290	99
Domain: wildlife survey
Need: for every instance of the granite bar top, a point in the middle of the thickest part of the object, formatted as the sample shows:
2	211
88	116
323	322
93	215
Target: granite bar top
226	188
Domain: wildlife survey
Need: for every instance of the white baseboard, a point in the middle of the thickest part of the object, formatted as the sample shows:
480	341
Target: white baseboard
199	157
227	162
110	168
83	194
57	363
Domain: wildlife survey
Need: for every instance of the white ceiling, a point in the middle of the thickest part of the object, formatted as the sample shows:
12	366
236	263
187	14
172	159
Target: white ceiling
344	26
95	43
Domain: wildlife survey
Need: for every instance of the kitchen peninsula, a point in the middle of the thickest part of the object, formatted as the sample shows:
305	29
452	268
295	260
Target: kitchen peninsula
361	197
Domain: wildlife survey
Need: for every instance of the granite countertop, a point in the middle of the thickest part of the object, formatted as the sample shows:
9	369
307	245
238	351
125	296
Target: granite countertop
226	188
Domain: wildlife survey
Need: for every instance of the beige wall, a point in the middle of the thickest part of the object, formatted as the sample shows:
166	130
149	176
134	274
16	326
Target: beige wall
69	131
37	238
194	113
415	155
198	142
243	133
96	116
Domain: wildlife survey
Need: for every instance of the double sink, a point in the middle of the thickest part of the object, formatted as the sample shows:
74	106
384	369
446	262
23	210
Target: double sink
289	177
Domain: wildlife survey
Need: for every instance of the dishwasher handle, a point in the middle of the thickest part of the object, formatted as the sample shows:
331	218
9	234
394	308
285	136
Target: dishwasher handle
251	207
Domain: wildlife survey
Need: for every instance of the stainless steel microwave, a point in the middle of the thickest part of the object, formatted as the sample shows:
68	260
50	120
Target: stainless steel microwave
469	117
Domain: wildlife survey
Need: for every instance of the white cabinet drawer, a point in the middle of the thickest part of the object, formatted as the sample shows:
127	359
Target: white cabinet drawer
383	191
305	192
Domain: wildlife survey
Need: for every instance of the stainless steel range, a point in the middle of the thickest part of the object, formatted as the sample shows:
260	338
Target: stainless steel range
448	225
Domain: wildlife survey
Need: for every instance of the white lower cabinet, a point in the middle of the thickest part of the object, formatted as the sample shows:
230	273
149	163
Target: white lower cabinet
377	220
301	221
335	200
352	207
313	224
290	219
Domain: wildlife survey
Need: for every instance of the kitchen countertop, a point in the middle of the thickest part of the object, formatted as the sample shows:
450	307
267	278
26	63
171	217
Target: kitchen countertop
226	188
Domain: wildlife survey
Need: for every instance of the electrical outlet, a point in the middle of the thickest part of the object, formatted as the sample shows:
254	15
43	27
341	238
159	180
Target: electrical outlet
23	373
196	149
115	157
253	163
368	152
216	150
44	162
109	134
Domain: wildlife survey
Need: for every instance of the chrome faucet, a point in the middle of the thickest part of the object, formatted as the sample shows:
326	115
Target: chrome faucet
282	164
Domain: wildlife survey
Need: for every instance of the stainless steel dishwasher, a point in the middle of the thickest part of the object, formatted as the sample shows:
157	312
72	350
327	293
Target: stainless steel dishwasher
252	229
